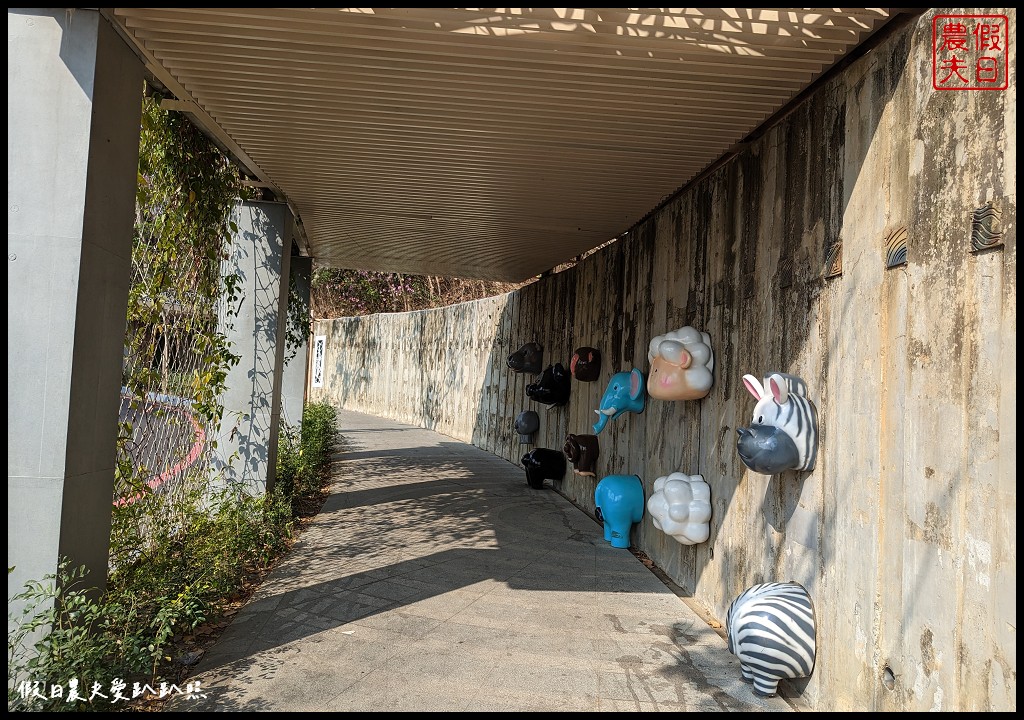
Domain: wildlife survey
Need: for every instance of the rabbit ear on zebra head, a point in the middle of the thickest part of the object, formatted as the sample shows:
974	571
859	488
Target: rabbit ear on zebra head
754	386
780	391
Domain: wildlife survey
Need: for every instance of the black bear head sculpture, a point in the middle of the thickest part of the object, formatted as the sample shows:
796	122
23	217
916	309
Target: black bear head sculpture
527	359
553	388
543	464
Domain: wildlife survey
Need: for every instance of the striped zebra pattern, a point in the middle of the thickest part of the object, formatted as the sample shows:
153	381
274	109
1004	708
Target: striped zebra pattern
896	248
983	228
791	411
834	260
771	630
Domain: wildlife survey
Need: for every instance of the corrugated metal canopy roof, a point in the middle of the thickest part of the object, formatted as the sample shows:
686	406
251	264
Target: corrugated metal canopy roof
491	143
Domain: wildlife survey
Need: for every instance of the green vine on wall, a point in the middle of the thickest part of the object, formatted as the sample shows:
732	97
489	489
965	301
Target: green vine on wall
186	190
179	302
297	325
177	553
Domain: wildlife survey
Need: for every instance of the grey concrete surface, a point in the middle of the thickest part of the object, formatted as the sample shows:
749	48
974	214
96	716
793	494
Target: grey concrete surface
293	381
74	98
435	579
260	256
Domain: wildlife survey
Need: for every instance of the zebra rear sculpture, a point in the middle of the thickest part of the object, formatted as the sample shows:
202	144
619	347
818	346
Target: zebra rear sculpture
771	630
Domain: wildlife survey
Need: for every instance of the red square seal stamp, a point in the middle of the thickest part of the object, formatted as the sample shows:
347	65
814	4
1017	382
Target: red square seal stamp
969	52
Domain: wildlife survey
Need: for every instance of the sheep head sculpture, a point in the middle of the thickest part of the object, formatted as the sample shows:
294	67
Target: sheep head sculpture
681	365
681	507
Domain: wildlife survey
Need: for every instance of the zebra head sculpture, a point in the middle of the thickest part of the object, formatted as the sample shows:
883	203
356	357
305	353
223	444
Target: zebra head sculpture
784	432
771	630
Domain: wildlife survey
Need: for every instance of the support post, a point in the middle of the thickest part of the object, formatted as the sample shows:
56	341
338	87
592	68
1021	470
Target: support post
260	257
293	393
74	92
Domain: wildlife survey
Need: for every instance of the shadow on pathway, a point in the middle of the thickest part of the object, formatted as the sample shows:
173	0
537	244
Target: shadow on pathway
435	579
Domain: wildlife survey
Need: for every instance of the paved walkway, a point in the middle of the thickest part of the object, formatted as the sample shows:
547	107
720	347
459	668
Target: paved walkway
435	579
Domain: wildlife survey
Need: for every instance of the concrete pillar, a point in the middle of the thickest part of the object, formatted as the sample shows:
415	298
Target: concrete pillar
260	257
293	388
74	98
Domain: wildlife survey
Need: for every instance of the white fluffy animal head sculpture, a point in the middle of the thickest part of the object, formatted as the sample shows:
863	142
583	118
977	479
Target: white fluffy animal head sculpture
681	507
681	365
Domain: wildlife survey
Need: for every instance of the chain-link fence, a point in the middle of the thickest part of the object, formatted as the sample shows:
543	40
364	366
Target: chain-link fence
175	353
164	436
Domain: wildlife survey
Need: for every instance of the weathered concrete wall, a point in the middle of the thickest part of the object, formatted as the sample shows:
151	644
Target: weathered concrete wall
905	531
260	258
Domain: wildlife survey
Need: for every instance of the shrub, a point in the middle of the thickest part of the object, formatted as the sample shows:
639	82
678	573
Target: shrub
176	564
303	457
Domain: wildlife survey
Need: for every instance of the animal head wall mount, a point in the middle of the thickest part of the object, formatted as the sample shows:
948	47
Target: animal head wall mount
553	386
681	365
543	464
585	365
582	451
618	504
526	424
770	627
625	393
527	359
681	507
784	432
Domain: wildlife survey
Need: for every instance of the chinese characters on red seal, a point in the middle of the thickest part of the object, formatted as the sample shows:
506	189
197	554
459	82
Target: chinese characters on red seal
969	52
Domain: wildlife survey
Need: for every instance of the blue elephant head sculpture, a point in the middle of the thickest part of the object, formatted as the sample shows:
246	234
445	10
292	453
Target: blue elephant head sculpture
620	503
625	392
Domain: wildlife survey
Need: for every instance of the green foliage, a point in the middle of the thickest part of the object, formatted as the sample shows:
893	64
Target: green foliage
303	455
186	190
179	555
297	325
361	292
60	634
289	459
195	537
166	581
